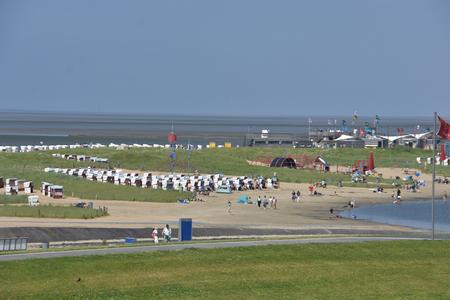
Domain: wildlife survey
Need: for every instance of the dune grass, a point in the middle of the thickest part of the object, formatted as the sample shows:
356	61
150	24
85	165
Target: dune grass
371	270
13	199
234	161
207	161
50	211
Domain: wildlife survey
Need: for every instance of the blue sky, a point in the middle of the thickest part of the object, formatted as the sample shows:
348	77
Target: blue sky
234	57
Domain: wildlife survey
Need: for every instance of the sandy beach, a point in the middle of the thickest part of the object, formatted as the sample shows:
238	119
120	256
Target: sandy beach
309	212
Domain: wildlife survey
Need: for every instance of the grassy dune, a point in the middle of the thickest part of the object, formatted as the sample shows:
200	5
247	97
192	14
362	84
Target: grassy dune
375	270
226	161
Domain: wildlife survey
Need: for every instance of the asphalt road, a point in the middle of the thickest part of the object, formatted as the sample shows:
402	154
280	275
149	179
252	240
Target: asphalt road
178	246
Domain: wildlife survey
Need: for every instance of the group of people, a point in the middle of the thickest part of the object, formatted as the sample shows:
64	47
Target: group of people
443	180
313	190
267	202
296	196
166	234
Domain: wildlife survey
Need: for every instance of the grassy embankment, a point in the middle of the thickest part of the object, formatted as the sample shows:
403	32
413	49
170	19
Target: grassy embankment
50	211
13	199
31	166
234	161
375	270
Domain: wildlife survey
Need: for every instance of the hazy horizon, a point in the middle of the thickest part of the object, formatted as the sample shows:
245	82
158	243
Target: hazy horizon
232	58
331	116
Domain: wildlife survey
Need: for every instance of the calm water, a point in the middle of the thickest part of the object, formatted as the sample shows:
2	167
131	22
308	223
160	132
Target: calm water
415	214
57	128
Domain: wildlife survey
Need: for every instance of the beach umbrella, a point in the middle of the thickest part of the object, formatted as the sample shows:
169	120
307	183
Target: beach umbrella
443	155
371	162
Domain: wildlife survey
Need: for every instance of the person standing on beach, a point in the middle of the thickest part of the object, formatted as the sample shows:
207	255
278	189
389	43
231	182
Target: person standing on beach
265	202
229	206
311	189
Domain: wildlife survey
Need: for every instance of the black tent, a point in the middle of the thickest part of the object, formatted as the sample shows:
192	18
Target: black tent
283	162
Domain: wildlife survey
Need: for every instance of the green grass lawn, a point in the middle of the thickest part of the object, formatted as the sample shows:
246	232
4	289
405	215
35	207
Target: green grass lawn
373	270
13	199
50	211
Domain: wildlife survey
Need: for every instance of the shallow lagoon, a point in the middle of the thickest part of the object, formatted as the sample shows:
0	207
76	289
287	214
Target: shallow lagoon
415	214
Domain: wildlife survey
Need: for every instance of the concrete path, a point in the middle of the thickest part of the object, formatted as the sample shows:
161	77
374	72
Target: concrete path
177	246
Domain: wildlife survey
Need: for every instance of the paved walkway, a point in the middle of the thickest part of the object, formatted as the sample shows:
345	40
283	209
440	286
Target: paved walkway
177	246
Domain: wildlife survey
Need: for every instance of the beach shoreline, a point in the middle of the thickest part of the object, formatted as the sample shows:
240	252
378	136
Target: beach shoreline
312	212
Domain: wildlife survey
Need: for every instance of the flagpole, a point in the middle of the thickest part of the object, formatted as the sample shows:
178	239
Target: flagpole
433	178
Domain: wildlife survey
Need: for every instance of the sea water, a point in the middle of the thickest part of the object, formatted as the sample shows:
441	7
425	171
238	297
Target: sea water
24	128
415	214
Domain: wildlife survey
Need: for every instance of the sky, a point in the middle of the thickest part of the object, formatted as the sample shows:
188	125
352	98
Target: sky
234	57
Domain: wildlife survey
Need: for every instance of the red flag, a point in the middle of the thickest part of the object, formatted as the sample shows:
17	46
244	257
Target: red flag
443	156
444	129
371	162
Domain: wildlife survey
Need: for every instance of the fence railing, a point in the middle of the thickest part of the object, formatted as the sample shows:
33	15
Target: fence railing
13	244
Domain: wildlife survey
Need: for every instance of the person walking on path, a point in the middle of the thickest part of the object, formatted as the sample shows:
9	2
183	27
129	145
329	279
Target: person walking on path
259	201
167	233
229	206
155	235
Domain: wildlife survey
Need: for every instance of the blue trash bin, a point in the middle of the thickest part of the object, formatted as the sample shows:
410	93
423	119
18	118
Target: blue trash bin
185	230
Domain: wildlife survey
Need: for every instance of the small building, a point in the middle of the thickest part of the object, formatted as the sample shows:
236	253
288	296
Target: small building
375	142
344	141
